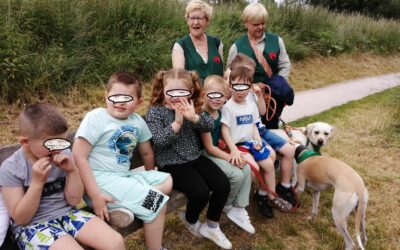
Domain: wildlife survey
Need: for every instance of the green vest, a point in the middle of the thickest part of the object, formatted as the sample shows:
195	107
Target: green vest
193	60
271	54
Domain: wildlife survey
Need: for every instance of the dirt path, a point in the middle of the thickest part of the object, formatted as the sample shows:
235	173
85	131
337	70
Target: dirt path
314	101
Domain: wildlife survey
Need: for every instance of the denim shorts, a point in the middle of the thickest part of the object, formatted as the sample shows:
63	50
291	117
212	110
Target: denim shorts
275	141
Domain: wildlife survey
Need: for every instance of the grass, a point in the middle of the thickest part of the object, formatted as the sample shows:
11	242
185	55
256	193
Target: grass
47	47
370	143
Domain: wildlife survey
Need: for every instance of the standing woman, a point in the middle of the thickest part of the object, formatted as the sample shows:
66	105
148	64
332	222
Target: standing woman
198	51
266	49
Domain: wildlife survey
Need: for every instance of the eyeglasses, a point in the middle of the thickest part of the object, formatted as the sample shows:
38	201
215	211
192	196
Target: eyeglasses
196	18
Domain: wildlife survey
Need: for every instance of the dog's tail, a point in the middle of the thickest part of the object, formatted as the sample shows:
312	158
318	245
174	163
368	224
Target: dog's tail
360	217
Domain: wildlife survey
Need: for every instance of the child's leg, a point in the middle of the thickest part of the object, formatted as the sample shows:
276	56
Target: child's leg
287	152
153	231
242	197
165	187
65	242
269	175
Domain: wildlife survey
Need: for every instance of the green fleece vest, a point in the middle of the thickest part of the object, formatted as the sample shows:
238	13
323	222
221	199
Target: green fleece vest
271	54
193	60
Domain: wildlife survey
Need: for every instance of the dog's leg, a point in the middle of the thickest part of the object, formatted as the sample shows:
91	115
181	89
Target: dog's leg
342	205
315	205
363	233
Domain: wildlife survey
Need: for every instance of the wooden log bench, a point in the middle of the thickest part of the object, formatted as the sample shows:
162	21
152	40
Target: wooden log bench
176	200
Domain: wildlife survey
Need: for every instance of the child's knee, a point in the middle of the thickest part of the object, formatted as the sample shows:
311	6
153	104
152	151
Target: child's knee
116	241
168	185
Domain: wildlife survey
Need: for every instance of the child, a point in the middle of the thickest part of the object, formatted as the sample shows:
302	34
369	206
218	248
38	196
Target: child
4	220
278	144
175	124
216	89
103	148
41	186
239	118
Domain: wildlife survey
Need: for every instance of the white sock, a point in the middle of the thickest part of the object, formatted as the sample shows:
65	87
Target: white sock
262	192
286	185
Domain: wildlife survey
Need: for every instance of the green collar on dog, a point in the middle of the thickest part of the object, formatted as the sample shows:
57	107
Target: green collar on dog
306	154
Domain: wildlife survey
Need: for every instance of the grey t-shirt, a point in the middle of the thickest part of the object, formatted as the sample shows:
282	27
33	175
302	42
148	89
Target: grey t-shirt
16	171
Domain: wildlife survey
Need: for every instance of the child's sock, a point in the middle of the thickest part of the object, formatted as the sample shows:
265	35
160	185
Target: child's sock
212	224
262	192
286	185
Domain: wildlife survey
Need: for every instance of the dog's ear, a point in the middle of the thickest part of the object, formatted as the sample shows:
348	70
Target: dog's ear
331	133
309	129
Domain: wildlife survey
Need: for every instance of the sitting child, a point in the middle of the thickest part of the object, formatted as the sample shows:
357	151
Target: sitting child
41	185
4	220
239	117
103	149
216	89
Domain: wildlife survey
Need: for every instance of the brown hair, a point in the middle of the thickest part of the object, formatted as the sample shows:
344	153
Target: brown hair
215	80
189	78
41	119
242	60
126	78
243	73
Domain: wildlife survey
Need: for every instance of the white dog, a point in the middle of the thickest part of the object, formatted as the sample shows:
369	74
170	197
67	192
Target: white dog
321	172
314	136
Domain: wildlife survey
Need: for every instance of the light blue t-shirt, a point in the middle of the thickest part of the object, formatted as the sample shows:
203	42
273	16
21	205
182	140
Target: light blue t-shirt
113	140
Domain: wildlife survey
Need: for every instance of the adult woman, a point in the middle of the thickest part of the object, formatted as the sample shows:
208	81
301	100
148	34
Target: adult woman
265	48
198	51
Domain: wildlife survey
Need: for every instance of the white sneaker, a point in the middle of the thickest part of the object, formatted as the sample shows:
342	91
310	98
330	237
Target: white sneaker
120	217
241	218
216	235
227	208
193	228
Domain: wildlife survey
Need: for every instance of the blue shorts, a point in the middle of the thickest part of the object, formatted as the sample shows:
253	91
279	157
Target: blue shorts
275	141
42	235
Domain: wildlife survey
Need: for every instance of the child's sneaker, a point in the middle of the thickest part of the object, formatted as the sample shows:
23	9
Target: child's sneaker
193	228
120	217
286	193
281	204
263	206
241	218
216	235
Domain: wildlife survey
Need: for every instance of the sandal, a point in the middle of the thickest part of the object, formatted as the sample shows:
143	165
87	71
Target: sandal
281	204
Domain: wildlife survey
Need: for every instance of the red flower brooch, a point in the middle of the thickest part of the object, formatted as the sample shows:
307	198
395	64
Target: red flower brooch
216	59
272	55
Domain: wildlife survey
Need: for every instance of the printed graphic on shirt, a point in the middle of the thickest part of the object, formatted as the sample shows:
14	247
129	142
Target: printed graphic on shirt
153	201
244	119
51	188
123	142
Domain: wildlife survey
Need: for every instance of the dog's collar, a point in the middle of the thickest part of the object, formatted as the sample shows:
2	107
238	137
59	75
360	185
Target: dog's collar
302	153
314	147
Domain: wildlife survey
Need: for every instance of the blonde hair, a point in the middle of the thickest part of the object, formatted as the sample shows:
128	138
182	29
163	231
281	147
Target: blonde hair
213	80
189	78
199	5
255	13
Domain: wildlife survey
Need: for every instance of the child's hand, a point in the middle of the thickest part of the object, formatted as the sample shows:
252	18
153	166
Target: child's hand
41	170
187	110
100	205
236	158
257	146
257	89
65	162
178	116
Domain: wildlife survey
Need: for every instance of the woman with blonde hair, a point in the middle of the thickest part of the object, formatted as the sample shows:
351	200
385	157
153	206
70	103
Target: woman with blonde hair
199	51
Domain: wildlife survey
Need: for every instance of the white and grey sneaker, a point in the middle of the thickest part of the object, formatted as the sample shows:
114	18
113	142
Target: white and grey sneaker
216	235
120	217
227	208
193	228
241	218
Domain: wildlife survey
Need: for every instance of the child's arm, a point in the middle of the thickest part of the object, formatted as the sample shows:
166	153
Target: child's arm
262	108
81	151
21	205
146	152
202	123
256	134
235	156
211	149
73	186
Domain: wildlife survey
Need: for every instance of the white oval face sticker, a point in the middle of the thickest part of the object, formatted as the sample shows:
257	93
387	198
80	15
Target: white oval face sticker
214	95
240	86
120	98
178	92
56	144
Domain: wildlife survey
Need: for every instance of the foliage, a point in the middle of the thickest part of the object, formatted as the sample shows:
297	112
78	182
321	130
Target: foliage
49	46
